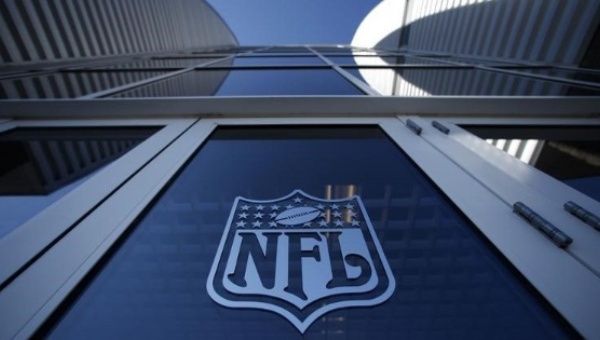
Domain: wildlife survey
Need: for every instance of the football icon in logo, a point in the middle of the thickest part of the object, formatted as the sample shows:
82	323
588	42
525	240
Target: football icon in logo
300	257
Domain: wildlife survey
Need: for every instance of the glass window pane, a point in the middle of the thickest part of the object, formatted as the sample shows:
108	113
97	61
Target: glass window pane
203	55
355	53
380	60
68	84
272	61
568	74
473	61
238	49
41	165
338	49
462	82
450	283
248	83
569	154
283	49
163	62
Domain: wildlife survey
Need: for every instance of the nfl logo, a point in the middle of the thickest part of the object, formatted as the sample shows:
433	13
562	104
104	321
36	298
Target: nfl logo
300	257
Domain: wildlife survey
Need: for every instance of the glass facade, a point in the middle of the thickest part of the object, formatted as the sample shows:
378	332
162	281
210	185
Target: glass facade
41	165
381	60
581	75
412	74
276	61
69	84
166	62
450	282
417	82
249	83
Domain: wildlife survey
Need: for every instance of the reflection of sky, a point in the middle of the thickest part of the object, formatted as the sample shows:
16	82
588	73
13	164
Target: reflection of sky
288	82
16	210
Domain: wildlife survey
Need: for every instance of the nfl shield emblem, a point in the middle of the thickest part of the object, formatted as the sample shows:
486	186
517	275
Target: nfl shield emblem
300	257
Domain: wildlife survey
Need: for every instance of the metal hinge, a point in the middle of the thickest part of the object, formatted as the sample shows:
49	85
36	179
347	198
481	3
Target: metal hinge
581	213
556	235
440	127
414	127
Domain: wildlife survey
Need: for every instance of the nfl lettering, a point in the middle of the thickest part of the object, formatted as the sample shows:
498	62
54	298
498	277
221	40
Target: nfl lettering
300	257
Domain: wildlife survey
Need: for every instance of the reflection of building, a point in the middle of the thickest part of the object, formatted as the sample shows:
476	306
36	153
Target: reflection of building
126	250
39	161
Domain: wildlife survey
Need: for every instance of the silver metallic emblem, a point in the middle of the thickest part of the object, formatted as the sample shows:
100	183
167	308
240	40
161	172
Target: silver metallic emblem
300	257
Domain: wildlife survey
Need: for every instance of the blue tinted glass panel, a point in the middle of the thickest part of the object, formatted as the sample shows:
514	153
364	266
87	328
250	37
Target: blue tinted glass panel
68	84
462	82
249	83
283	49
450	283
41	165
567	153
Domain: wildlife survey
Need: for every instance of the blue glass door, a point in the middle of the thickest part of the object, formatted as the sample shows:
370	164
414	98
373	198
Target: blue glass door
291	232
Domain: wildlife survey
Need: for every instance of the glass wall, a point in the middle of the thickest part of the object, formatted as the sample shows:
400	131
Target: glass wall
450	281
296	70
41	165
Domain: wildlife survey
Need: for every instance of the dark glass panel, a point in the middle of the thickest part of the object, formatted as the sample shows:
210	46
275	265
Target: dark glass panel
591	57
163	63
223	50
473	61
249	83
40	165
450	283
462	82
570	154
69	84
356	72
562	73
283	49
274	61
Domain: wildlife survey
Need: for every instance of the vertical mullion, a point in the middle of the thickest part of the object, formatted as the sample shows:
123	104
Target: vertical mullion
347	75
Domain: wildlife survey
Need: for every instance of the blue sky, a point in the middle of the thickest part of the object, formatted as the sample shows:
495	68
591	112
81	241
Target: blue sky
260	22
